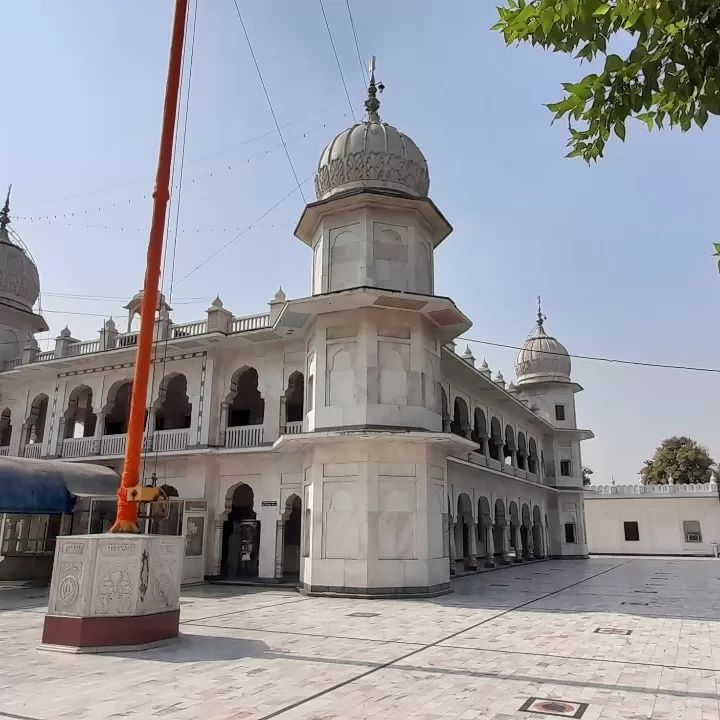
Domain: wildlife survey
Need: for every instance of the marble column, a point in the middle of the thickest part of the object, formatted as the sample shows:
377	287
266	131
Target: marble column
451	533
530	545
99	429
279	548
518	543
217	547
149	429
472	529
224	411
490	546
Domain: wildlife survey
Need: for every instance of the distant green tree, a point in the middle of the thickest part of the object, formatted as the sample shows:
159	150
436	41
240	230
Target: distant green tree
671	75
586	473
680	458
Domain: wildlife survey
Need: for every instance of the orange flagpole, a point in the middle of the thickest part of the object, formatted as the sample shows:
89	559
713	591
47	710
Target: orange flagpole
127	511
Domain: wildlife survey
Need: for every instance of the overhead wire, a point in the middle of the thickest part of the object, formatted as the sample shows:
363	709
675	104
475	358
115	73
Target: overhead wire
597	358
363	70
57	217
267	97
198	160
242	232
337	60
175	205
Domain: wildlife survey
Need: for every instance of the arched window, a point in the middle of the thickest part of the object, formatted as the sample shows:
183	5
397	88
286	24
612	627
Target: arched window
247	406
496	439
522	451
174	411
5	427
36	420
532	456
79	419
479	431
294	397
509	448
117	408
460	424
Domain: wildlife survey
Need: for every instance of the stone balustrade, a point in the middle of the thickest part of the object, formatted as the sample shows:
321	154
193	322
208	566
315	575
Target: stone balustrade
625	490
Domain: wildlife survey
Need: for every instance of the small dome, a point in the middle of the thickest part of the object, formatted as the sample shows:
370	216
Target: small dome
542	359
372	154
19	279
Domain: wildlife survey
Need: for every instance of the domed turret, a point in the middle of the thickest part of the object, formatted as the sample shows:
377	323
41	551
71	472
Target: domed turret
372	154
19	280
542	358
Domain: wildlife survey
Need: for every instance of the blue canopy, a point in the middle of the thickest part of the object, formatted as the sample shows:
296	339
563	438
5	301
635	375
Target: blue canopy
48	486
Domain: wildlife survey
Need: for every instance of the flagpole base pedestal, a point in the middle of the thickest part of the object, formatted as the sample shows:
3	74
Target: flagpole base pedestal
114	593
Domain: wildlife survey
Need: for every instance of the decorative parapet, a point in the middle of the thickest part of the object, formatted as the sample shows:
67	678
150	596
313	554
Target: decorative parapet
656	490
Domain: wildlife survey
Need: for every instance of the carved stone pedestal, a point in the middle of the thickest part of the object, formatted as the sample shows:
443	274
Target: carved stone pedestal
114	592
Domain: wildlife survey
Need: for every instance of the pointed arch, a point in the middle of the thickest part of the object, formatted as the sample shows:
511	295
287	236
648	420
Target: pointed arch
246	405
496	439
460	424
173	409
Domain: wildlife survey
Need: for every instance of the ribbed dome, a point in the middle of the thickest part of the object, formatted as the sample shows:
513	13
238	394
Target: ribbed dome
372	154
542	359
19	280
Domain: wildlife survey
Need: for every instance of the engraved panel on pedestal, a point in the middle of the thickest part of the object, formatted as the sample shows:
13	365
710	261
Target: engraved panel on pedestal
164	578
68	576
117	569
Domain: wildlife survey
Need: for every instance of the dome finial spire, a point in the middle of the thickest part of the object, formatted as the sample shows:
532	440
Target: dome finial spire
540	317
372	104
5	212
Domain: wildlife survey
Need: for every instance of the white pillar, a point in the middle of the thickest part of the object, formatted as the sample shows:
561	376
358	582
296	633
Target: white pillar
451	533
490	545
279	548
216	563
518	543
473	546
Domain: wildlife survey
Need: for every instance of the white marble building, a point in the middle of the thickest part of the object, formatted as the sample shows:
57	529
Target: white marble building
653	519
338	436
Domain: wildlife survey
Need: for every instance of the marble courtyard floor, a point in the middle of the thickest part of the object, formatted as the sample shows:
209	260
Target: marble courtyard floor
605	638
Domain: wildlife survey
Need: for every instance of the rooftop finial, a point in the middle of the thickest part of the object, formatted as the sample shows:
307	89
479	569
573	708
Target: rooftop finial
5	212
540	317
372	104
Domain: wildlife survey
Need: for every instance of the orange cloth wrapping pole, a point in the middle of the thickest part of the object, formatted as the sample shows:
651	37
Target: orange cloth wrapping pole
127	512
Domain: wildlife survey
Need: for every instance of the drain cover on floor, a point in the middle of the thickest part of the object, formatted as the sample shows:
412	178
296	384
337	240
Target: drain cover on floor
628	602
362	614
498	585
611	631
560	708
647	592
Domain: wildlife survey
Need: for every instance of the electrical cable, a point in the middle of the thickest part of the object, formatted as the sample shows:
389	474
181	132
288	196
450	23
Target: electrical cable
240	234
267	97
597	359
193	162
337	60
175	205
365	79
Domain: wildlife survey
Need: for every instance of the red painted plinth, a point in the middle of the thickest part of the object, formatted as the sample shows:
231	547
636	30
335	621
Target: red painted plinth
100	632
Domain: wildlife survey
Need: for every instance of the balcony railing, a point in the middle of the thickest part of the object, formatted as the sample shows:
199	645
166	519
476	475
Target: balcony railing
45	356
84	348
77	447
4	450
252	322
293	428
126	340
170	440
244	436
10	364
33	450
113	444
188	329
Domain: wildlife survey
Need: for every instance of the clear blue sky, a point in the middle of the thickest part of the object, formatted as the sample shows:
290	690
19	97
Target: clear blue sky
619	251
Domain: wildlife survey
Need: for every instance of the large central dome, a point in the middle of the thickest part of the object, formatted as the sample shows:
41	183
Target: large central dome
372	154
542	358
